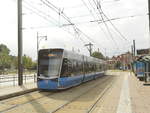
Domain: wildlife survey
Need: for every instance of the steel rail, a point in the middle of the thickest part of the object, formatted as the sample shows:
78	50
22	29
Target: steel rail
100	97
52	93
62	106
15	106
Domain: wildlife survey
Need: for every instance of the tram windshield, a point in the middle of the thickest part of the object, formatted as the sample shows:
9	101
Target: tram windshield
50	66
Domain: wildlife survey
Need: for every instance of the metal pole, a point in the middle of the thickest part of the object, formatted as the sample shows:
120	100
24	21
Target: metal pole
38	41
149	13
37	44
149	18
98	49
13	80
37	52
134	52
20	62
34	78
105	53
90	47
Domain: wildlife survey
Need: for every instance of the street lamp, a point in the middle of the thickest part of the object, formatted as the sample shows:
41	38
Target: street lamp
39	38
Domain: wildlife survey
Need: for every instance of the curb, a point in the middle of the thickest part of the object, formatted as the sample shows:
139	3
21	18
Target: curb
7	96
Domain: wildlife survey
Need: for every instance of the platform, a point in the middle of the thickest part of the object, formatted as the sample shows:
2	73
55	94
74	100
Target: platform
127	95
11	91
119	92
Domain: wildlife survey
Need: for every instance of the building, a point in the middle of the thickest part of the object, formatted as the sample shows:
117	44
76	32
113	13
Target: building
122	61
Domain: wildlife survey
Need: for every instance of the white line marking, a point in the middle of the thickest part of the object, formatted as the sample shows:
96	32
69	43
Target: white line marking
124	105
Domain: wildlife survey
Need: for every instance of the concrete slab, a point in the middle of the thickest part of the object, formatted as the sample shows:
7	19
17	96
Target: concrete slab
124	105
127	95
140	95
13	91
109	102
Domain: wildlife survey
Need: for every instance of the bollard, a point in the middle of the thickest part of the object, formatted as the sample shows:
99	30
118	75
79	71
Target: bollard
25	78
34	77
0	79
13	80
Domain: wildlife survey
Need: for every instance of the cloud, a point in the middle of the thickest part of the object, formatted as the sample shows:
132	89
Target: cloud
132	28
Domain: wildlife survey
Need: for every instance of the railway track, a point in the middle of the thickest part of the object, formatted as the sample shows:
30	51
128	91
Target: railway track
24	101
92	106
99	98
36	101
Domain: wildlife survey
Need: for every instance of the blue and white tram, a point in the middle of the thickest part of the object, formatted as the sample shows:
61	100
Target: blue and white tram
61	69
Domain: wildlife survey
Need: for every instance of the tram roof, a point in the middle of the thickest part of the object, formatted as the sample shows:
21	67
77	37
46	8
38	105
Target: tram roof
73	54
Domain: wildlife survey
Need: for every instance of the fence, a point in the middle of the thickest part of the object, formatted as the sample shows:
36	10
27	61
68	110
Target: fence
12	80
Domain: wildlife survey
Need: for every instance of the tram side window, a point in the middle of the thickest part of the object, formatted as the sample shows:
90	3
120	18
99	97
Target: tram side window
91	67
80	67
77	67
66	68
100	67
95	67
74	67
86	67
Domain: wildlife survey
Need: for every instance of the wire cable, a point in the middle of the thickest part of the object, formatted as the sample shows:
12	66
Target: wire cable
94	17
112	24
45	18
115	43
50	5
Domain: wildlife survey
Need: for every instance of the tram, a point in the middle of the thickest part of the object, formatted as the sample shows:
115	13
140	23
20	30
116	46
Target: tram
139	68
60	69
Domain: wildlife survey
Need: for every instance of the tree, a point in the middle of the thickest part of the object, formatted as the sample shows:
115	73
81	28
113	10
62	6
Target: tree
28	63
5	60
14	62
98	55
118	65
4	49
34	65
8	61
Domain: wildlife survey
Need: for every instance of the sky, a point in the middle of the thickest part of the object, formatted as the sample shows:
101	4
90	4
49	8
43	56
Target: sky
38	17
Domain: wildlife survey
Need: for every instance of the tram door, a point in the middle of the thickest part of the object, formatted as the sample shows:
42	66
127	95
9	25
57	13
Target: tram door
147	72
140	66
